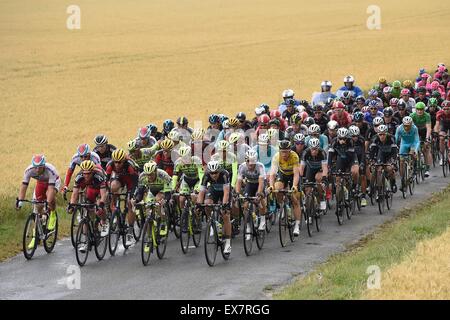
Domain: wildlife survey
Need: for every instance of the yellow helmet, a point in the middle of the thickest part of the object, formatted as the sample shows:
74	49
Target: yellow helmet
234	137
184	151
87	165
223	145
167	144
118	155
132	145
174	135
197	134
233	122
150	167
382	80
407	83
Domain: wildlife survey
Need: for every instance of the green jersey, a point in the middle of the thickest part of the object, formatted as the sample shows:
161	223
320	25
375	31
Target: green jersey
192	172
161	183
146	155
421	121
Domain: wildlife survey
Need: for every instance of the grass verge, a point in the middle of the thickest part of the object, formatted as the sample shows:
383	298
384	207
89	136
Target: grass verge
344	275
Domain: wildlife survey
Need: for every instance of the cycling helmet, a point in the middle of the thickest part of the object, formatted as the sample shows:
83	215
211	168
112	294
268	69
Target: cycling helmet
184	151
420	106
265	107
168	125
275	121
87	165
346	95
434	85
225	124
259	111
174	135
272	133
241	116
387	90
38	160
407	83
264	119
234	137
354	131
296	118
318	108
213	166
332	125
150	167
360	98
435	94
407	120
342	133
373	104
152	128
223	145
396	84
432	102
263	138
251	156
233	122
83	150
309	121
182	121
421	90
222	118
288	93
388	112
424	76
373	92
349	79
167	144
401	105
377	121
197	134
290	102
284	145
314	143
118	155
144	133
100	140
405	92
314	129
132	145
382	80
445	104
299	138
393	102
382	129
275	114
214	118
326	83
338	105
358	116
365	109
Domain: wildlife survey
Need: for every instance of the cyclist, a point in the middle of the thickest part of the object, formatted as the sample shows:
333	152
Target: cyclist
244	124
314	167
321	98
215	126
232	127
121	172
140	156
383	149
407	84
382	84
296	126
290	109
422	95
91	179
103	149
237	146
183	129
320	117
408	137
154	132
396	89
359	144
373	130
422	121
285	173
432	109
299	145
263	124
215	186
253	174
347	100
389	120
443	125
314	132
331	132
373	96
199	144
373	113
393	103
287	95
360	102
358	121
47	184
144	138
83	153
276	114
406	98
227	160
402	112
156	184
168	126
342	117
349	86
163	157
265	151
387	96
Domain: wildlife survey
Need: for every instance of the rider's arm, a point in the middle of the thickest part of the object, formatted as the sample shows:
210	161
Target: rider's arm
235	172
226	193
416	138
296	175
22	191
74	197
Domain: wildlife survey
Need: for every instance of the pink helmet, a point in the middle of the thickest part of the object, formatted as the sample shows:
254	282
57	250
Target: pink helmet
424	76
275	114
338	105
434	85
404	91
441	68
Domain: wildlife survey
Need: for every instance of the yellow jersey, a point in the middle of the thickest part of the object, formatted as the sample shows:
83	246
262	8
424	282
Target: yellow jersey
286	167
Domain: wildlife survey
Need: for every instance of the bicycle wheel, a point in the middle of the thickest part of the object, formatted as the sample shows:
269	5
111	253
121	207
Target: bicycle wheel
404	181
248	232
260	234
196	223
411	184
211	242
372	192
29	240
445	164
114	232
82	240
125	230
185	229
77	215
290	223
318	219
161	241
101	243
309	214
283	227
51	237
381	199
417	165
137	226
340	206
147	242
176	217
351	206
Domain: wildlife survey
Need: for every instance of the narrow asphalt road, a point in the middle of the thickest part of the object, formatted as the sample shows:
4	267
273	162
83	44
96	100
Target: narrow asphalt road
188	276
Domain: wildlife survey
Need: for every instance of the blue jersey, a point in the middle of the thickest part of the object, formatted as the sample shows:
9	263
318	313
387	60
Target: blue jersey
355	90
369	118
282	107
410	138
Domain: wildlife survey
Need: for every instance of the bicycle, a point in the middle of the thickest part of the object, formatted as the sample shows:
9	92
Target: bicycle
435	148
88	235
271	213
420	164
190	224
118	225
311	205
76	217
35	227
407	178
344	196
151	233
252	220
174	214
214	234
384	194
286	220
444	157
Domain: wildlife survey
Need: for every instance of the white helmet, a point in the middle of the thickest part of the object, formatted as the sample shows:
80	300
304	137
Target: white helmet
349	78
300	108
342	133
354	131
299	137
382	128
314	129
174	135
288	93
259	111
326	83
407	120
377	121
314	143
251	156
225	124
263	138
213	166
332	124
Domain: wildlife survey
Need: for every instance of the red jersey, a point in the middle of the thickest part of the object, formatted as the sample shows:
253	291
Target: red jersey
442	116
344	121
164	163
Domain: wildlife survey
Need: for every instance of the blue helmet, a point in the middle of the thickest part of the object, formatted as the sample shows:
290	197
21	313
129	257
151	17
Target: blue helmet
358	116
168	125
373	104
214	118
152	128
373	92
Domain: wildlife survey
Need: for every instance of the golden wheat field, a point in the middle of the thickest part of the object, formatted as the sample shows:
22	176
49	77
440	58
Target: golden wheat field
141	61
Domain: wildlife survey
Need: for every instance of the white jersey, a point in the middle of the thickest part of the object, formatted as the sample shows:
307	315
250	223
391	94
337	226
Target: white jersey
76	160
50	175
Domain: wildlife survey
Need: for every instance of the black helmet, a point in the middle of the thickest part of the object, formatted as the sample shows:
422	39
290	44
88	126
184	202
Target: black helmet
388	112
182	121
401	105
241	116
100	139
284	145
309	121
